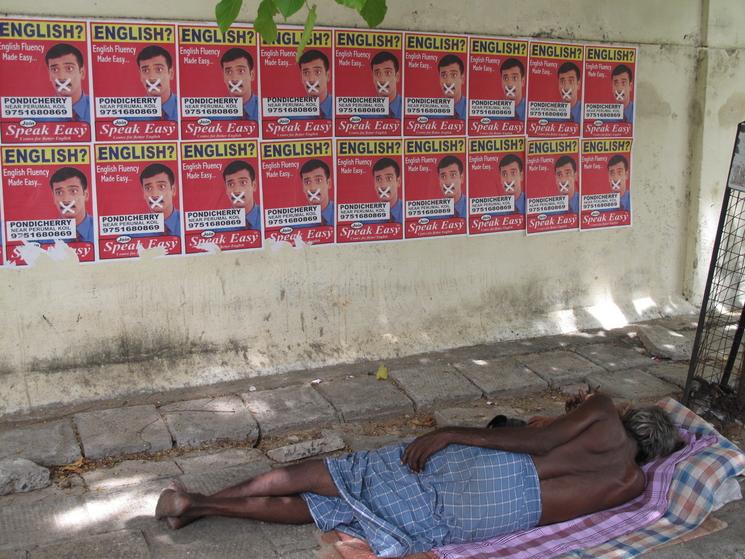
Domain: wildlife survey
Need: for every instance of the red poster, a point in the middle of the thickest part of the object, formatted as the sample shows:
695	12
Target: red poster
138	199
436	85
222	198
297	95
298	191
44	89
555	97
553	185
369	190
48	196
368	82
609	91
496	185
436	194
606	183
218	82
135	86
498	87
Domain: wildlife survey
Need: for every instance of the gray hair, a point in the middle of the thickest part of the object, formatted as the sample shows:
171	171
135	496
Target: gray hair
654	432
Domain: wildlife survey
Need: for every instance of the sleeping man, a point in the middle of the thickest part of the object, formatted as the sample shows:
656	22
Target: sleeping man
455	484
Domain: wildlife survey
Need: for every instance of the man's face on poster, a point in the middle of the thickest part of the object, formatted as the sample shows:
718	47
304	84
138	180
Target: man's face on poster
569	87
618	178
66	76
386	79
158	193
315	78
387	185
316	187
240	189
70	198
513	84
565	179
451	80
511	179
238	75
451	181
622	88
156	76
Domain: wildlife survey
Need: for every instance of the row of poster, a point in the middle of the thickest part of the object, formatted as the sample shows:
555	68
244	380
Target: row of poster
111	200
100	81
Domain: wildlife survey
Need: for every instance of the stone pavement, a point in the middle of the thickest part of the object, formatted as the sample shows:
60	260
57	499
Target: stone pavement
110	465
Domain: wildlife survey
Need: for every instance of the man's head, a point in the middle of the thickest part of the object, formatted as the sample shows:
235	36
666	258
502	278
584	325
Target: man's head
450	174
623	82
513	79
569	82
238	72
511	175
618	174
240	183
316	181
70	192
66	70
156	71
158	188
565	171
314	71
386	74
387	176
655	434
452	72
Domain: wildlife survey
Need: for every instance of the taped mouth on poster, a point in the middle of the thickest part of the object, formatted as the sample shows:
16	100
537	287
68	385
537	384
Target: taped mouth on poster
133	107
212	106
609	201
131	223
291	106
362	106
293	216
41	229
492	107
36	107
429	208
546	109
215	219
430	106
548	204
492	204
603	111
364	211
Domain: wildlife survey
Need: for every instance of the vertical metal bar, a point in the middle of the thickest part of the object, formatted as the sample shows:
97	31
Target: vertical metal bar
736	341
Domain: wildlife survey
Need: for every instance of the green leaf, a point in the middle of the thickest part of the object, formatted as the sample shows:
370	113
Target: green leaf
264	23
373	12
288	7
310	21
354	4
226	12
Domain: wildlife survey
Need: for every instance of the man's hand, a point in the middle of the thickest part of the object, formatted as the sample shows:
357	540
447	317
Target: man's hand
417	453
578	399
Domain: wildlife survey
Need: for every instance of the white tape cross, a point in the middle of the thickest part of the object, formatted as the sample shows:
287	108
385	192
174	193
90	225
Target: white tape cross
383	87
564	186
155	203
313	195
235	87
448	88
509	186
566	94
510	91
153	86
237	198
63	86
448	189
384	192
620	95
615	185
313	87
67	208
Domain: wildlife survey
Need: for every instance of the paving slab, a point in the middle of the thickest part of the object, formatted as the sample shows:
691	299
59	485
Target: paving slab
560	367
24	526
631	384
131	507
680	322
473	417
13	554
124	544
291	453
18	475
435	386
364	397
287	538
666	343
49	443
293	408
211	461
122	431
615	357
217	480
670	371
371	442
51	493
129	472
197	422
501	376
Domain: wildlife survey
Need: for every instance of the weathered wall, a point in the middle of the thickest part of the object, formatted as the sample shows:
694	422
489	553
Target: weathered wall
222	317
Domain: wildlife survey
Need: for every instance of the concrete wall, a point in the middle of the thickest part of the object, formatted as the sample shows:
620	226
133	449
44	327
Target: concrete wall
174	322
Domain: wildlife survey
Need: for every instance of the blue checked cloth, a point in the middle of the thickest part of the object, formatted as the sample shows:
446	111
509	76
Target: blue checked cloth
464	493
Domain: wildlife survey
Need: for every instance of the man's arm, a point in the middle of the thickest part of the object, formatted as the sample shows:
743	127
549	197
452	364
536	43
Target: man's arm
528	440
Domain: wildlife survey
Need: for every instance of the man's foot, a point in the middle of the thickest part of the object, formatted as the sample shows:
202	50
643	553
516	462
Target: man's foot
176	522
173	502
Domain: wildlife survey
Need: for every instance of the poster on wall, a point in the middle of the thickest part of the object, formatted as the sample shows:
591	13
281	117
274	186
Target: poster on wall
496	185
297	95
298	191
218	82
222	197
138	199
498	86
48	195
610	91
555	97
369	190
369	82
44	82
436	86
553	185
135	82
436	191
606	183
